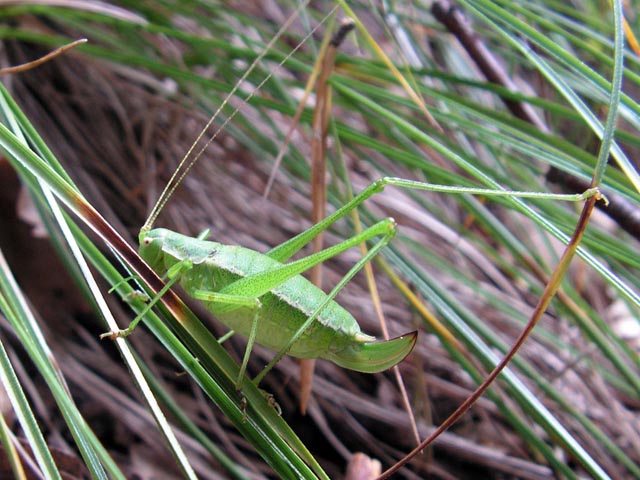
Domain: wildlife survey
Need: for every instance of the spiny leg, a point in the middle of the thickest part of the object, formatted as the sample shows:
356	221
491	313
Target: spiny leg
285	250
258	284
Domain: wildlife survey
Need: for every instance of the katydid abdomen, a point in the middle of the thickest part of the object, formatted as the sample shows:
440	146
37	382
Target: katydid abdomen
280	311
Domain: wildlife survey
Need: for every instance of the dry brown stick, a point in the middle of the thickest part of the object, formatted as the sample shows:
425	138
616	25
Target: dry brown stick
320	131
36	63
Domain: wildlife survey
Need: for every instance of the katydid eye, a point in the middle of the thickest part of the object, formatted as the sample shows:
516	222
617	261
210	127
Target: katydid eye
147	241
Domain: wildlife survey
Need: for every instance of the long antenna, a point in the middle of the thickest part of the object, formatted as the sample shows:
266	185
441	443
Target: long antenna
185	165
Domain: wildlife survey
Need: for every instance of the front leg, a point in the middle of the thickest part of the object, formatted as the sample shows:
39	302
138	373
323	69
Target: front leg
174	275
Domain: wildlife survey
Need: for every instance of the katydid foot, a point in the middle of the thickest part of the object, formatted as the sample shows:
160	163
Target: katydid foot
271	400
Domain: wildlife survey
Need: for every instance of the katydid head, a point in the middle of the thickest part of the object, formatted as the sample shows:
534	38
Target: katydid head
151	242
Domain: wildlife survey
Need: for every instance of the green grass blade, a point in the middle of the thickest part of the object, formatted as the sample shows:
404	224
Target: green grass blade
12	387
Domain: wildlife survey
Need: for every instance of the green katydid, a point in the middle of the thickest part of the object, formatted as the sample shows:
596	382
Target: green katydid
268	301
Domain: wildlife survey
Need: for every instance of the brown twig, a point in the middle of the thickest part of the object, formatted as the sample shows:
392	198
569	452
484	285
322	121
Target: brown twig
320	127
36	63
